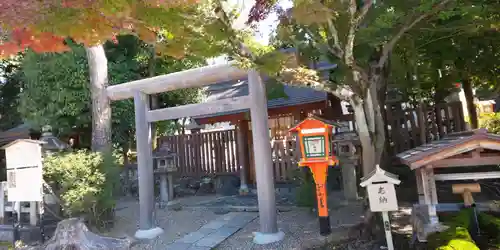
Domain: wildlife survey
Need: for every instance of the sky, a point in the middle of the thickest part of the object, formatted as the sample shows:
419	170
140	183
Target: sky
265	27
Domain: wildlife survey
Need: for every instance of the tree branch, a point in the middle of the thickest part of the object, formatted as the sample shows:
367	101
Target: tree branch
390	45
336	41
366	7
351	34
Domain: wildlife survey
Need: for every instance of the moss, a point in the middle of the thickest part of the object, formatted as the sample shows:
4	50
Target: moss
491	226
459	245
456	236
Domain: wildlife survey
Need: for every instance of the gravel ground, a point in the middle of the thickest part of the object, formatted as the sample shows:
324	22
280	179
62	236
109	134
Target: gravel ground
175	223
301	230
300	225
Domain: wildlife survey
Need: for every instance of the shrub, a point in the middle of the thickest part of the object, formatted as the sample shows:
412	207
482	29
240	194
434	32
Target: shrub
85	183
490	121
305	193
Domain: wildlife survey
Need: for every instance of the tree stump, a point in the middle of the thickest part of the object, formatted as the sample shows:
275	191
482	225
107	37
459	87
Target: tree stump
73	234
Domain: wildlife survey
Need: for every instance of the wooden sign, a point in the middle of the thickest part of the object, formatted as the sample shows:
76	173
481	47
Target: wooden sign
382	197
24	174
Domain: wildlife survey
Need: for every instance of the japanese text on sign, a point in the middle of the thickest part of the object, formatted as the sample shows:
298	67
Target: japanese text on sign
382	197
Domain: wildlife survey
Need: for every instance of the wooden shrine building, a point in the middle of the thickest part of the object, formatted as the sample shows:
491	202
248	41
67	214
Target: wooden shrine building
283	113
465	156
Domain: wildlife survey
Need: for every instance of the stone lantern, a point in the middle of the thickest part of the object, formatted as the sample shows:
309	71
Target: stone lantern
52	144
165	167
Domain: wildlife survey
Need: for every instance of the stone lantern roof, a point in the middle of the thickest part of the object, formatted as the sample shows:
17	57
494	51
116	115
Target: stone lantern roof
52	143
163	151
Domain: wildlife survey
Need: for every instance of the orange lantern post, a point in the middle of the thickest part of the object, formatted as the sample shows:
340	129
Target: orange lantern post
314	136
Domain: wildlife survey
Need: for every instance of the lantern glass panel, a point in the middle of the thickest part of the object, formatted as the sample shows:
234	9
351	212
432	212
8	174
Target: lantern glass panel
163	163
314	146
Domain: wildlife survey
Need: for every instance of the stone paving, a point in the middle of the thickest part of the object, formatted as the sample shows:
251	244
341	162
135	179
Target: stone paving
213	233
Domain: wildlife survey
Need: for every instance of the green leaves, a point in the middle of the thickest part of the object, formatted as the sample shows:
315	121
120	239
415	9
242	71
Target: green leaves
56	86
87	183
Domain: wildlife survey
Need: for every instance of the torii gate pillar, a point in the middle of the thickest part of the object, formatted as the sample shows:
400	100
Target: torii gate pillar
263	162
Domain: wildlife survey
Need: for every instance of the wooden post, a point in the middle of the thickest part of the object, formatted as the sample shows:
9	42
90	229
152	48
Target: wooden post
144	169
430	194
33	213
420	188
387	229
263	163
2	201
422	123
242	137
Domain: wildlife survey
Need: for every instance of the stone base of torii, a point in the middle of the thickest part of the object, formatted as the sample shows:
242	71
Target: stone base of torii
256	101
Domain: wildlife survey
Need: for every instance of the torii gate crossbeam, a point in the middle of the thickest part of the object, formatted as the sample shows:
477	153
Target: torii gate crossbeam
256	101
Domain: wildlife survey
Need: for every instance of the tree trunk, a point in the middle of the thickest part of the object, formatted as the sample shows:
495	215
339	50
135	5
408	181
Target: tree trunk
370	125
101	108
469	98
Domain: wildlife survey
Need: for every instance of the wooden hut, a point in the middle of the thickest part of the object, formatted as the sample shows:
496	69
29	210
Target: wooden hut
471	149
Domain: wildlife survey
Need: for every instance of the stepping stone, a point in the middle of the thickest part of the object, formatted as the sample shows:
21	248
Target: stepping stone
214	232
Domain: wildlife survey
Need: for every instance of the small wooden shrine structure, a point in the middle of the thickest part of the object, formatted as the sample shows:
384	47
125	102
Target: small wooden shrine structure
464	149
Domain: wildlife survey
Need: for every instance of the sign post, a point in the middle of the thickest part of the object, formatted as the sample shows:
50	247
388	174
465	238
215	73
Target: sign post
314	135
24	176
382	196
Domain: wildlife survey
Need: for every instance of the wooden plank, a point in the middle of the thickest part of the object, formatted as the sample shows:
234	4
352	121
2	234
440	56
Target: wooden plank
198	109
232	155
195	155
439	119
481	161
405	136
206	143
190	78
433	125
422	122
411	113
189	154
199	153
222	144
284	160
447	122
239	161
203	162
390	122
468	176
182	149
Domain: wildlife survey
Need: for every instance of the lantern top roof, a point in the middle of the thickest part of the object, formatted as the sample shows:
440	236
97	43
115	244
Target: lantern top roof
313	122
379	175
163	151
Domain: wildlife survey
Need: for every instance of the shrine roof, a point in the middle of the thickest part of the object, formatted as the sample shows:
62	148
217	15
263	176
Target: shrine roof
293	95
450	145
314	117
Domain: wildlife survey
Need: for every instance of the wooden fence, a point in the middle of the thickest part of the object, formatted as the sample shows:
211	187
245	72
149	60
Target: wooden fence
205	153
213	153
409	127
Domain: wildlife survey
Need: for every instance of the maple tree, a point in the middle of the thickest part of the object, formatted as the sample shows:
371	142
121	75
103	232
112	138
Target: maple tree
358	36
176	27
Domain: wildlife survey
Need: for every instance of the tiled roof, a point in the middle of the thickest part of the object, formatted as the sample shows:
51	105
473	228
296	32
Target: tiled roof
294	95
451	141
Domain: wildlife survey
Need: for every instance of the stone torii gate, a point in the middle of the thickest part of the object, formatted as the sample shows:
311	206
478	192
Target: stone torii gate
256	101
